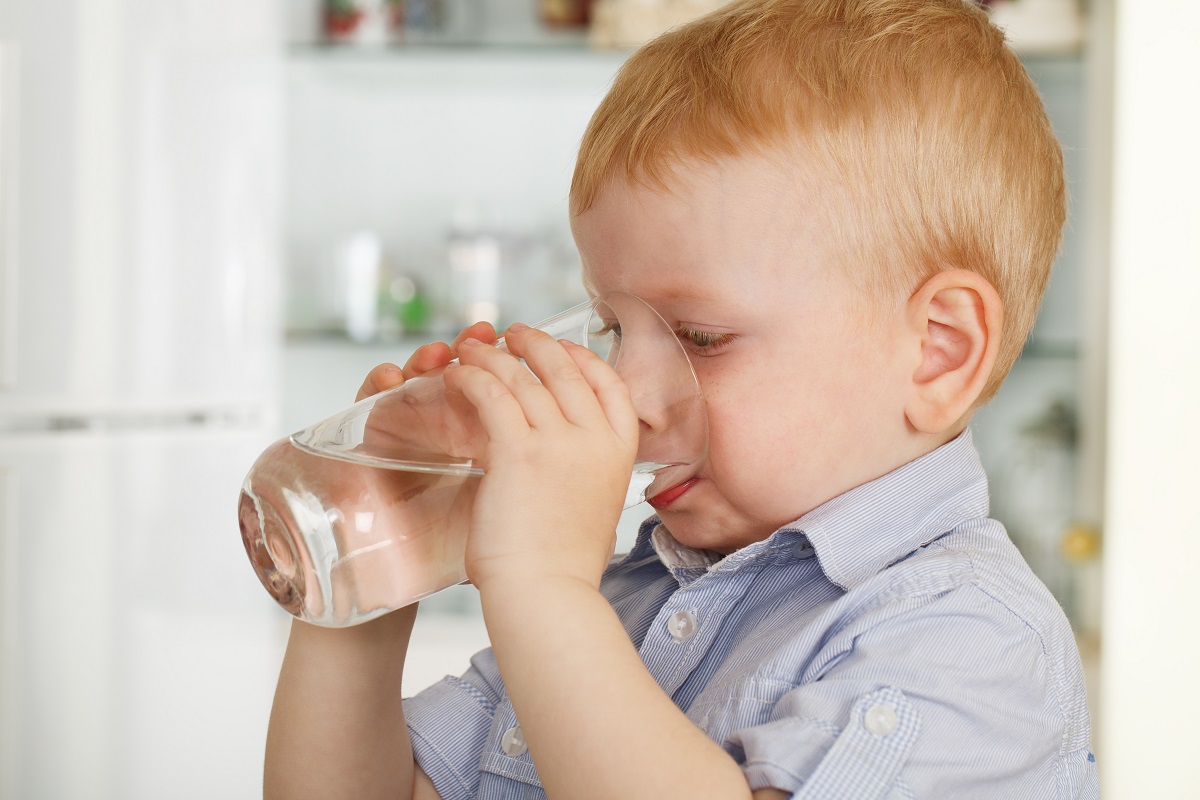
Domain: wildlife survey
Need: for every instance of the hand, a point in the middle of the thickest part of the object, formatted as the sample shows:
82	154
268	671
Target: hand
559	451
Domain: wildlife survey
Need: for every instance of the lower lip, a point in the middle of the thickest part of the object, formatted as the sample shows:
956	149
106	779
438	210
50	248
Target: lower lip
665	499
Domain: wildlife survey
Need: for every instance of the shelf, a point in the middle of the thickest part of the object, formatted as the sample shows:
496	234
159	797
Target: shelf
558	43
475	65
395	74
567	45
331	338
526	37
333	58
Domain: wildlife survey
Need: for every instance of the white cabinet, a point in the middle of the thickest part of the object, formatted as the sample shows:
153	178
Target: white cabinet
137	646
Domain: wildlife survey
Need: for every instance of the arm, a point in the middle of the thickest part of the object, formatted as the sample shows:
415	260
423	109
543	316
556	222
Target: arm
337	725
591	714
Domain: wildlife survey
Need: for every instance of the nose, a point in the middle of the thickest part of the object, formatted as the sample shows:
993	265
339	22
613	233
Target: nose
659	404
647	357
673	428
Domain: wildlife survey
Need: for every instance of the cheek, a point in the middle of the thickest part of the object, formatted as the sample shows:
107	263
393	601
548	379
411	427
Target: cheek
760	473
771	441
755	433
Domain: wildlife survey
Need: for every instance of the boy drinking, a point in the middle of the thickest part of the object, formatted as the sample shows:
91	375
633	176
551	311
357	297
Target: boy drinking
847	209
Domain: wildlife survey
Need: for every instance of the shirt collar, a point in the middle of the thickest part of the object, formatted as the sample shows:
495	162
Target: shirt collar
862	531
872	526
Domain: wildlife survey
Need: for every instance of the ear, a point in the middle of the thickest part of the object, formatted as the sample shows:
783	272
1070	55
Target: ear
955	317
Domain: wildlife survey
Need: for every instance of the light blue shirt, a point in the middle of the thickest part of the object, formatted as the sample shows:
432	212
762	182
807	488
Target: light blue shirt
890	644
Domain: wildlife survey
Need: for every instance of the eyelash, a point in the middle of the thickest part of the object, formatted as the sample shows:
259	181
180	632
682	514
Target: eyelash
703	342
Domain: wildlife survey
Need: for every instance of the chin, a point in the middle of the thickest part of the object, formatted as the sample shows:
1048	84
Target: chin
702	534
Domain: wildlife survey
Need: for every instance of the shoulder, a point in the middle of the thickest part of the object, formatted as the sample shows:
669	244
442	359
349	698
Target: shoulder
970	596
979	559
961	644
975	564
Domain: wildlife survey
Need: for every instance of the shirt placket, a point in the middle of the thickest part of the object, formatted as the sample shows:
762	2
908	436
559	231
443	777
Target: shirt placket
685	627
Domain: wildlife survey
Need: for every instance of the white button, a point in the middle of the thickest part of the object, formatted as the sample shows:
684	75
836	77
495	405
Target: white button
513	742
704	723
880	720
682	625
802	548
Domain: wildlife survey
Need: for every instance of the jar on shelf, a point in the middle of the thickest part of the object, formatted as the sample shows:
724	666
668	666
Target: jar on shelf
632	23
564	13
360	21
475	254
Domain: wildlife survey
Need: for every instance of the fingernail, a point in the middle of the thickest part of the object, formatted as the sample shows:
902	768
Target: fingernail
471	341
517	326
392	374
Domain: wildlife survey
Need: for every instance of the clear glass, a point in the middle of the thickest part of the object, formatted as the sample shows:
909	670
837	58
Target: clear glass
368	511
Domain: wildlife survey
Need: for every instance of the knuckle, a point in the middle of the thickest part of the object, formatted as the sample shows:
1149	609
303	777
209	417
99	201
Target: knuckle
494	389
525	379
566	372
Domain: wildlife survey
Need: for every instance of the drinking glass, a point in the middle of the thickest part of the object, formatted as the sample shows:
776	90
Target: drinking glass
368	510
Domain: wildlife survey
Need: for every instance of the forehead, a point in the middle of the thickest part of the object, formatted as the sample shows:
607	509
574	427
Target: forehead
715	228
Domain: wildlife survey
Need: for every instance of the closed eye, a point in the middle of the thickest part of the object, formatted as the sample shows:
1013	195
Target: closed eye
704	342
612	327
699	342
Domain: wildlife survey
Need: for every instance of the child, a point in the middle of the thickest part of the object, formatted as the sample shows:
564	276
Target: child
848	209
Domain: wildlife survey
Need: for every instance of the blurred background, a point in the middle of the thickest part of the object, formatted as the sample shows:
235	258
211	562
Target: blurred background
216	217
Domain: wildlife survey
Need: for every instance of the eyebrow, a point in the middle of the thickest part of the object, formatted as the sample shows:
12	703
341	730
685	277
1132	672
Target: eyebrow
669	294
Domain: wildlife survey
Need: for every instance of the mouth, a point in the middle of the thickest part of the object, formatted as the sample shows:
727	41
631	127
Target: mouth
665	499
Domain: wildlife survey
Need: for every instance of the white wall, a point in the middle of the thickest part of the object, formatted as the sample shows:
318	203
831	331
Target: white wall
1152	559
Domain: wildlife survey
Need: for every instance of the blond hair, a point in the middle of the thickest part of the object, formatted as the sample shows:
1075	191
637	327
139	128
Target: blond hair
923	122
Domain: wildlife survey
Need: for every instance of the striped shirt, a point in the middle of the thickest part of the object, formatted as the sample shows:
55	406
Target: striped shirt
891	643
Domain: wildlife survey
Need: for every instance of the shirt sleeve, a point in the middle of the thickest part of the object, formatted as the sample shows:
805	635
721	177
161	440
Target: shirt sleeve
952	698
450	724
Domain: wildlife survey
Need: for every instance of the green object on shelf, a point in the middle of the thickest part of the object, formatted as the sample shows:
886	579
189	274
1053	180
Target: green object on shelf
408	303
414	315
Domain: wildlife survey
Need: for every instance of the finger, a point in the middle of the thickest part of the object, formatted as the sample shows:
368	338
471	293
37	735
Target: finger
382	377
560	374
540	405
432	356
610	390
483	331
500	413
427	358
